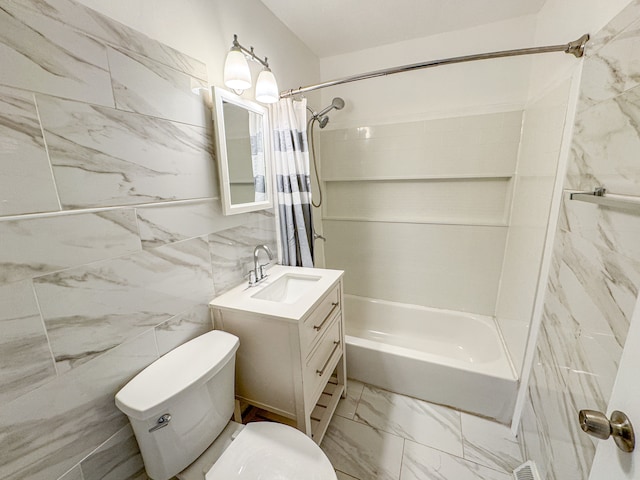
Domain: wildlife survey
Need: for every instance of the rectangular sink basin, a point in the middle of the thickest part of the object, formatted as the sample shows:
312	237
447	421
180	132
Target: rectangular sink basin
287	289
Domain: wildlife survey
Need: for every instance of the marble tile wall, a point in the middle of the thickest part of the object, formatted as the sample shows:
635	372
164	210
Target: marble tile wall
595	274
112	239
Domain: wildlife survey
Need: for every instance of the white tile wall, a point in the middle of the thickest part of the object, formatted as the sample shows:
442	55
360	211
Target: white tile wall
533	188
416	212
461	201
444	266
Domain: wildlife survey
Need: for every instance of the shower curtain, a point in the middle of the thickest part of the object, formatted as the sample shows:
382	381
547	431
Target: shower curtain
288	120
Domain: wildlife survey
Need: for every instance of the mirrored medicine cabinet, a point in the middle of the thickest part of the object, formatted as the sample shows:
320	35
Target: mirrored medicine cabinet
243	152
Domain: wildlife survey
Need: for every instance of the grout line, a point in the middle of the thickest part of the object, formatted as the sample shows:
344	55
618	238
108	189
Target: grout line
113	90
44	326
79	211
404	444
419	221
46	149
461	434
137	220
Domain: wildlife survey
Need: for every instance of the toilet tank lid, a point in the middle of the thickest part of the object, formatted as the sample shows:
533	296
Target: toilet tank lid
190	364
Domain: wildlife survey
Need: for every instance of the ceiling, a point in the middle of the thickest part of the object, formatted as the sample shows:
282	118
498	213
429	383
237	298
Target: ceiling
331	27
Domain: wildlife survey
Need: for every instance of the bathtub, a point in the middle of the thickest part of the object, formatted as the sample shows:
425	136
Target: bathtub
451	358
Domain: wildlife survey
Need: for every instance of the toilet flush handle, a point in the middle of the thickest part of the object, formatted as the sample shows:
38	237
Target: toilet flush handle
161	422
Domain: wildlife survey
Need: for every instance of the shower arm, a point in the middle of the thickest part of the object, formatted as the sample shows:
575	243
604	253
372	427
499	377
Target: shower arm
575	48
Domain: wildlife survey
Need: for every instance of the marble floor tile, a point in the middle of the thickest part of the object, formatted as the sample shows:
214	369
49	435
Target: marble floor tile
25	358
424	463
106	157
347	406
71	241
361	451
409	418
46	56
490	444
145	86
22	150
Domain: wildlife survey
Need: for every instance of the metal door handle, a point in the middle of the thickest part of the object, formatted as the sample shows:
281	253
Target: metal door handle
619	427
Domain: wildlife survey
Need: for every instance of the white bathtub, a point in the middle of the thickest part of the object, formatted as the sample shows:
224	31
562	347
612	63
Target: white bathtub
451	358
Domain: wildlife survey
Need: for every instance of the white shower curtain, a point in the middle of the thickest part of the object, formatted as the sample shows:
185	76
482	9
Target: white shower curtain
288	120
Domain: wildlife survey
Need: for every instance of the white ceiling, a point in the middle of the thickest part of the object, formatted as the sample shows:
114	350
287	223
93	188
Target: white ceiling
331	27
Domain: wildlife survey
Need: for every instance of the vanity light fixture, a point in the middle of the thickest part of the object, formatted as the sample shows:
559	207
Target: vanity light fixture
237	75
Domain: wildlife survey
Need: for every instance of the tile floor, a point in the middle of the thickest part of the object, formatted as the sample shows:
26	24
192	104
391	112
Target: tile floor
377	434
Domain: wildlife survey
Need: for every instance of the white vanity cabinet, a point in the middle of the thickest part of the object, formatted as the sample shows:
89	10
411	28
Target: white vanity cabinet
291	357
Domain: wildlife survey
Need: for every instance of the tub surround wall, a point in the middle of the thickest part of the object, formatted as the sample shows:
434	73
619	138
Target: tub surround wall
112	240
595	274
417	212
534	180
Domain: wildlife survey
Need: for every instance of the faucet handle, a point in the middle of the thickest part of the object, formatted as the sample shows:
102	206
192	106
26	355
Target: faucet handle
252	277
262	274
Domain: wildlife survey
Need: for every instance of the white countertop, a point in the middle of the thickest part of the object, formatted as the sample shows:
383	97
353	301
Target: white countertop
241	297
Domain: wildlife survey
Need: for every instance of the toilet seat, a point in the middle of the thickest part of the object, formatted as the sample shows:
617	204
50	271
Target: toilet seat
265	451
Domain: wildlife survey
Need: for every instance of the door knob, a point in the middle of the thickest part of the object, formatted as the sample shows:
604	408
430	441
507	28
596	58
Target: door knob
619	427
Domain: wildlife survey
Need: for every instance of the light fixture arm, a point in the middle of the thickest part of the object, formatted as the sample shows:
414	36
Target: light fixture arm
249	53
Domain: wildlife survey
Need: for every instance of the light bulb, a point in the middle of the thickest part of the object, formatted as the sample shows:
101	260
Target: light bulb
236	70
267	87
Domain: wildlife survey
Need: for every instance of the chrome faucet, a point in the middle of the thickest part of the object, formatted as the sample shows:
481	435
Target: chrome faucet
257	274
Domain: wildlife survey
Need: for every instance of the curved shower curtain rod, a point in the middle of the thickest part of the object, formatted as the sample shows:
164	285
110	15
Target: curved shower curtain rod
575	48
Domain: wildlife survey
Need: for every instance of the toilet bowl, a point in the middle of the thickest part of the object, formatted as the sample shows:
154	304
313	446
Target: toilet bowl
180	408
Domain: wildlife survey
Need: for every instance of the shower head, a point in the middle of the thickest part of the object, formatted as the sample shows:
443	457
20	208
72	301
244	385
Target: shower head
322	121
336	103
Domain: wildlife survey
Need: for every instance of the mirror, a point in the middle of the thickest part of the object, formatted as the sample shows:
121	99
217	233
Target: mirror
242	142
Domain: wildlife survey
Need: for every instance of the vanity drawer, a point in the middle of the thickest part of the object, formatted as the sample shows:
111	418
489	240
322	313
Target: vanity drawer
319	320
322	361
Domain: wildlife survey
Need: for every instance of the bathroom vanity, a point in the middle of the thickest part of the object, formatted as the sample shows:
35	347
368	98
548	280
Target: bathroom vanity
291	358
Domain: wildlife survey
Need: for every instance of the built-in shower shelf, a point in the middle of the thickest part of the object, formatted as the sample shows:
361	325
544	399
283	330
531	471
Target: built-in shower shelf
600	197
396	178
424	220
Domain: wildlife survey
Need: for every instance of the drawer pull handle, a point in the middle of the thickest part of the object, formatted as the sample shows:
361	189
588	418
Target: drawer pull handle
336	345
319	327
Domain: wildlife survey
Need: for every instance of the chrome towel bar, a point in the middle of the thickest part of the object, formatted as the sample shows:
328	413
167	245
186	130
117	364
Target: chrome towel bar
600	197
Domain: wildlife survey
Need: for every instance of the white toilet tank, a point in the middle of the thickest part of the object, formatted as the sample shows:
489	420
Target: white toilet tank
179	404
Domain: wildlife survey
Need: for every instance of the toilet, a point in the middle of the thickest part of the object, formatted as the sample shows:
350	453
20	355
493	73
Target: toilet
180	408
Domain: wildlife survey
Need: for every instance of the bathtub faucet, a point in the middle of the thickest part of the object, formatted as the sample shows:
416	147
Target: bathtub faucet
257	274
